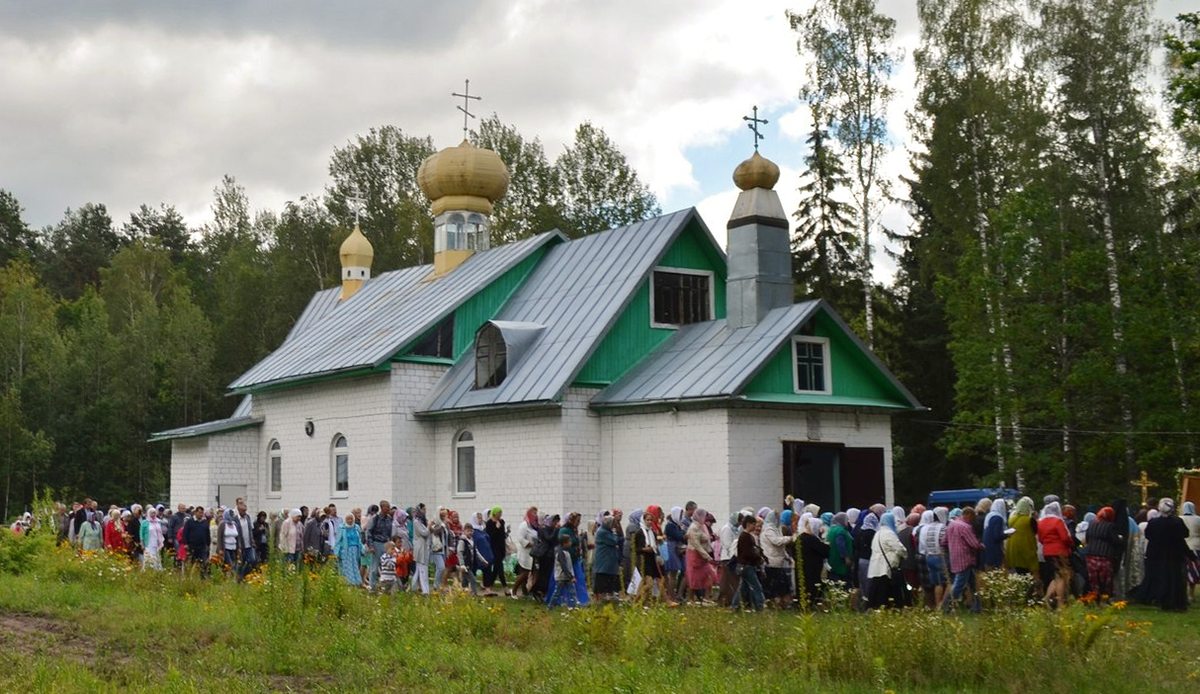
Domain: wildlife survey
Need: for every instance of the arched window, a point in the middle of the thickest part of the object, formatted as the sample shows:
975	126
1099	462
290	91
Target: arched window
491	357
464	463
275	468
456	232
341	464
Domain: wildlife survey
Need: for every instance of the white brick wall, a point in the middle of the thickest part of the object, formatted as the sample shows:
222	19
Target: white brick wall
560	459
359	409
756	439
199	465
666	458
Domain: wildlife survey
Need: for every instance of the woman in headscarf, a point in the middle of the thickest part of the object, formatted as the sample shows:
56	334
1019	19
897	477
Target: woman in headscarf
676	545
925	584
152	541
90	539
348	548
1104	542
544	554
701	570
497	533
525	540
606	562
113	541
908	538
1057	544
864	538
1167	552
1020	550
778	586
646	545
813	554
886	585
1192	521
994	525
231	540
841	549
1082	526
575	548
421	545
728	580
630	561
982	508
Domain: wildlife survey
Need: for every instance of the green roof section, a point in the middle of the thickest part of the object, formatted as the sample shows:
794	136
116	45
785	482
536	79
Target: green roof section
856	380
477	310
632	337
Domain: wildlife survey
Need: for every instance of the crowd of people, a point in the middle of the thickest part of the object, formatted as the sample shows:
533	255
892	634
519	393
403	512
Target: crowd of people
883	558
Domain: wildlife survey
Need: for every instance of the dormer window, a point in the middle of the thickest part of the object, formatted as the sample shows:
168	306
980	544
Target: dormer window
680	296
491	357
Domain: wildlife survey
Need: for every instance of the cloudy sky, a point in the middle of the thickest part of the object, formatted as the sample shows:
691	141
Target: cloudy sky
126	102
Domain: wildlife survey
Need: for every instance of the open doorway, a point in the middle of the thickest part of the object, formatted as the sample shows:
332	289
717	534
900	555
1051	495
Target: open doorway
832	475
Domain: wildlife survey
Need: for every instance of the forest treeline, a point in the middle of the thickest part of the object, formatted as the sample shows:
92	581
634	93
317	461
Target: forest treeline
1044	309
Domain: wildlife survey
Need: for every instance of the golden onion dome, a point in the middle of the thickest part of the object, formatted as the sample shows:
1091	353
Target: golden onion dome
465	177
756	172
356	250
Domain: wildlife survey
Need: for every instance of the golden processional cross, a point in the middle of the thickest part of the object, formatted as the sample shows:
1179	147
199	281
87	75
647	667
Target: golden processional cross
1145	483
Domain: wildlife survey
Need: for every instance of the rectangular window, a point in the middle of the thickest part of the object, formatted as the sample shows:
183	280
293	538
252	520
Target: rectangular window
342	473
276	473
811	361
681	297
438	342
465	474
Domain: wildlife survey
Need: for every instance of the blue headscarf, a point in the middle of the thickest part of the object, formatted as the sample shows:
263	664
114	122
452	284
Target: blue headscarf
888	521
827	519
785	518
870	521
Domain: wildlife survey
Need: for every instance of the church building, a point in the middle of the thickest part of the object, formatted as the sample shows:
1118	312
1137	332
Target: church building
641	365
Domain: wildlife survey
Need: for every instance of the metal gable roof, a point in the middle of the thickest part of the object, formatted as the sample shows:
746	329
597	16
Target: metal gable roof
388	312
706	360
577	292
238	420
710	360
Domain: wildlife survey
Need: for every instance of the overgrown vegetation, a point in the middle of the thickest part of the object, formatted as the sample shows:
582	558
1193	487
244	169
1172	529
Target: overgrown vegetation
71	625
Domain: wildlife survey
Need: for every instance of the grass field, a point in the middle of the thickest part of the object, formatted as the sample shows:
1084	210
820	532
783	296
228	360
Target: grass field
91	625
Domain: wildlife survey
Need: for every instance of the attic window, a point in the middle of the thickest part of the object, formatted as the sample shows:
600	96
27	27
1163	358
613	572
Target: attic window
679	297
810	365
491	357
438	342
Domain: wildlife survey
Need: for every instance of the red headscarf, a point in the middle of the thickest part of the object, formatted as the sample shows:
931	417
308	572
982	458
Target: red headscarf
531	517
453	523
1107	514
653	517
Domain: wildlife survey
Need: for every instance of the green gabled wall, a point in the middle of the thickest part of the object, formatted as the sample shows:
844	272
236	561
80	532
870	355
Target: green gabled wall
631	337
481	307
856	380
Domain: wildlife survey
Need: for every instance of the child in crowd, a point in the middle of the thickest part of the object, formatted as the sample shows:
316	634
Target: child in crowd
564	574
469	559
387	569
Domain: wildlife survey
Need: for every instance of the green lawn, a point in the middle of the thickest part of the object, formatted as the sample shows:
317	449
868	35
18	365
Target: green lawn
69	625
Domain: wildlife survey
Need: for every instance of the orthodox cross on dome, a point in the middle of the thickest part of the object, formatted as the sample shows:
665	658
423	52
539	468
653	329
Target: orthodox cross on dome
356	202
1145	483
755	121
465	108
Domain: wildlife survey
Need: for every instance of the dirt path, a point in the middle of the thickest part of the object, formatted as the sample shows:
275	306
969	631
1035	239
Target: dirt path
29	634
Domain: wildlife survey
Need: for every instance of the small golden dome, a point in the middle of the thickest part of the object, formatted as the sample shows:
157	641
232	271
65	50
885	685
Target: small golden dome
756	172
463	178
356	250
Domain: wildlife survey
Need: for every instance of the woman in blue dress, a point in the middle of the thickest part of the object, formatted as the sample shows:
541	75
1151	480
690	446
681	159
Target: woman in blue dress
349	551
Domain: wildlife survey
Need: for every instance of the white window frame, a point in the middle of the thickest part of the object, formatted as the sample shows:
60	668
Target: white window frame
334	451
828	365
712	293
274	450
458	444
